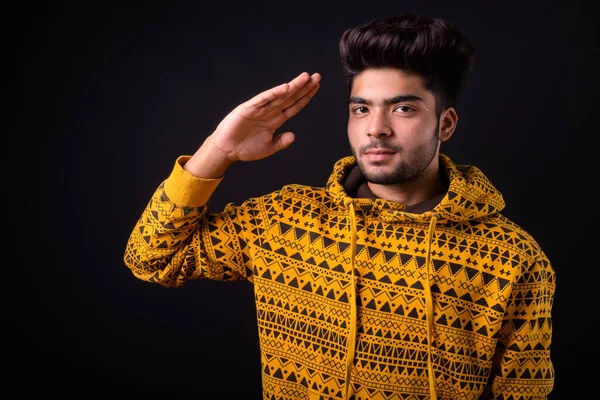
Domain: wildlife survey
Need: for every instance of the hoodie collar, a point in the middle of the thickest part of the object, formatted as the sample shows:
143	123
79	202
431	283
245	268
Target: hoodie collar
355	185
469	195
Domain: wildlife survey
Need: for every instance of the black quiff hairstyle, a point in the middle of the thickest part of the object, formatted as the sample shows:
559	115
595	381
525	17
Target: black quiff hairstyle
429	47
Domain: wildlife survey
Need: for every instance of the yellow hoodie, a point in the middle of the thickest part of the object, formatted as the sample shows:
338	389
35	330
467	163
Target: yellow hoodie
360	298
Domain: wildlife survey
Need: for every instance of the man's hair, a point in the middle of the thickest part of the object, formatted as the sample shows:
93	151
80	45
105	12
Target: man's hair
429	47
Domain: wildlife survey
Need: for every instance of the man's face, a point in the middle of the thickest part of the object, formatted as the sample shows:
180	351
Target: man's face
392	125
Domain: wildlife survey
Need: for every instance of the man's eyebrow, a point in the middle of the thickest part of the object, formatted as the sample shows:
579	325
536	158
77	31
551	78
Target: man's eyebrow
393	100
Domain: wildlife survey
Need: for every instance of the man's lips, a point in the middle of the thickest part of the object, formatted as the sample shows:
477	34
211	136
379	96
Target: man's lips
379	151
379	155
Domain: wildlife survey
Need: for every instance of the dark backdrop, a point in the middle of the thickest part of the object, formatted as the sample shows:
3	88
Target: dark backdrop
110	94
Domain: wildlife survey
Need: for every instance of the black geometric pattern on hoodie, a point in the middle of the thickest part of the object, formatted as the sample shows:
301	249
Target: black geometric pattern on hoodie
491	284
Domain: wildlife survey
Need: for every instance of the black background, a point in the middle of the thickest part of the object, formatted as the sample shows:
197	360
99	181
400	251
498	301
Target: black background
110	94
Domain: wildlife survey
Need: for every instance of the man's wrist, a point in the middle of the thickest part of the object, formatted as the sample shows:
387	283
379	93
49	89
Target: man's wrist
208	162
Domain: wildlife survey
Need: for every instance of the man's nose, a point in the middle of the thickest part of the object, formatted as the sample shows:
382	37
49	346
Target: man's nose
379	125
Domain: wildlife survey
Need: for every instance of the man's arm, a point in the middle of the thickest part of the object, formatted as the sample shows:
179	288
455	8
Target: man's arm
176	239
522	366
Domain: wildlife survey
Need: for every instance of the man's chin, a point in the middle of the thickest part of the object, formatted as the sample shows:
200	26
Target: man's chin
375	174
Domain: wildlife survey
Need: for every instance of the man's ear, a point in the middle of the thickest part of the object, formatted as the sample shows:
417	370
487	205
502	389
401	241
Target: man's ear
448	121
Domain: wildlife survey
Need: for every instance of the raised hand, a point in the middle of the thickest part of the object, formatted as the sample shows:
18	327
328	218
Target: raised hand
247	133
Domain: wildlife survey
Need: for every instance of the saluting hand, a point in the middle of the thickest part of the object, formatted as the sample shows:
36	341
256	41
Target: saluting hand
248	132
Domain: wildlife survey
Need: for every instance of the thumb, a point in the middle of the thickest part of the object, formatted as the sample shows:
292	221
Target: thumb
284	140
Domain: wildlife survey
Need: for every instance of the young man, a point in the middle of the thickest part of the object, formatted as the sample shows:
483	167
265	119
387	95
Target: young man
400	279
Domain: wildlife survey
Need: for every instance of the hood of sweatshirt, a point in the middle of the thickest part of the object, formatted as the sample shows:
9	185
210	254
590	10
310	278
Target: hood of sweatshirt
469	195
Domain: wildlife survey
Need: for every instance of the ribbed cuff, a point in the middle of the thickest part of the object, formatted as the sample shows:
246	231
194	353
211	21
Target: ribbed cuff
187	190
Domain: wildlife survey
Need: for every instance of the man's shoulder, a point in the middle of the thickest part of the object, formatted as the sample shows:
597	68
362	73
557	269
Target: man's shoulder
510	232
310	193
298	194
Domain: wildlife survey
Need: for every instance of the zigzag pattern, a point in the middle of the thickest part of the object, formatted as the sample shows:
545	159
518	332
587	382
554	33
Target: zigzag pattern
492	288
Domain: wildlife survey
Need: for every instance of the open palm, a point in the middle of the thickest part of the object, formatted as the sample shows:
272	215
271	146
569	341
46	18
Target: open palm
248	132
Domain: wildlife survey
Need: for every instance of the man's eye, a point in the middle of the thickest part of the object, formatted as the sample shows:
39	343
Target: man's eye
404	109
360	110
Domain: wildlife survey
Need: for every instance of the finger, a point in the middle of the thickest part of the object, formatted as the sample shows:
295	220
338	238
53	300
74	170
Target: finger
300	103
314	79
283	90
263	98
283	140
295	85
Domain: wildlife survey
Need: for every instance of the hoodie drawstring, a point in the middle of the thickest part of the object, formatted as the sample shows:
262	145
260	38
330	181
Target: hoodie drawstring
352	335
353	300
429	308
